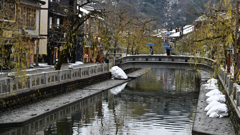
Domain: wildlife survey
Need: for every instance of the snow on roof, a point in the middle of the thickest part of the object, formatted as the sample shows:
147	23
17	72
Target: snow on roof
84	10
157	35
177	34
187	29
201	18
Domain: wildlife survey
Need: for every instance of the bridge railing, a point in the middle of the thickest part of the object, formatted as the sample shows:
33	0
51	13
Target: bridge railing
164	59
9	85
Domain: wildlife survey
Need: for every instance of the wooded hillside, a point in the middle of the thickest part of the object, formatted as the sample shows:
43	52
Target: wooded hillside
178	12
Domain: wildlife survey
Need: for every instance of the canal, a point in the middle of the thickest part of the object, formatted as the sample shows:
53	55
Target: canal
162	101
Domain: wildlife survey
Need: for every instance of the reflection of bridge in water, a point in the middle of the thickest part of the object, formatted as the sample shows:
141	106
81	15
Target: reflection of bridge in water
169	80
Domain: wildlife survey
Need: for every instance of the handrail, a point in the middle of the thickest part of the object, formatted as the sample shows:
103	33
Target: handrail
10	84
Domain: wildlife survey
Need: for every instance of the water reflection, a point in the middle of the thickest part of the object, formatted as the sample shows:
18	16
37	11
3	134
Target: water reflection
160	102
166	80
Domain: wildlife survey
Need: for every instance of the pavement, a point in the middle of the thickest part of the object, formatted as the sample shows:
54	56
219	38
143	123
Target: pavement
204	124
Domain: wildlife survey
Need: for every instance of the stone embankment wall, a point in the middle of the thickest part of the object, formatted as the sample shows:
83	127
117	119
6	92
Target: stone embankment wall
233	114
37	94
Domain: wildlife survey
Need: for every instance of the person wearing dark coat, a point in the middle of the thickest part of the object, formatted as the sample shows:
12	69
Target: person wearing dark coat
151	50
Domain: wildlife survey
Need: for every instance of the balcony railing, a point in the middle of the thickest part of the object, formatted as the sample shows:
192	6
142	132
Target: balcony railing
58	9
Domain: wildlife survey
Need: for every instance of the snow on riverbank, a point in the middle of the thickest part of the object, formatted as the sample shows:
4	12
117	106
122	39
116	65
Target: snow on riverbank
216	100
118	73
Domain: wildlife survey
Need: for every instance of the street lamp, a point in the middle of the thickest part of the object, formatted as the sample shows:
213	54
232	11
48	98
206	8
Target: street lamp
229	51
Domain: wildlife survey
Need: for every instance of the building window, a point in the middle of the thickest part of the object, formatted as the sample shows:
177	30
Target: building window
27	17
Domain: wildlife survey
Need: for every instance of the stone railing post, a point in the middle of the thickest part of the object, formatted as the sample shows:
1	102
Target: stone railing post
103	68
46	78
230	86
10	80
89	71
235	87
30	82
80	72
238	95
71	75
96	69
226	78
60	75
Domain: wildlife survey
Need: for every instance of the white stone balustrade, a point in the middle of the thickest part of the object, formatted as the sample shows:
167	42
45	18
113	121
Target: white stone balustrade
10	84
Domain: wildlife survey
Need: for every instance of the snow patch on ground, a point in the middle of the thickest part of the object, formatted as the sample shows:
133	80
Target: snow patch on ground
76	63
214	92
216	107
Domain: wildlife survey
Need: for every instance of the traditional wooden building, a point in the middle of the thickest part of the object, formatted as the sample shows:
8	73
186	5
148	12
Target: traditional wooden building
19	23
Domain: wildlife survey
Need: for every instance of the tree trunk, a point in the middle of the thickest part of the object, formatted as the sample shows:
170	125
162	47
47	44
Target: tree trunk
60	60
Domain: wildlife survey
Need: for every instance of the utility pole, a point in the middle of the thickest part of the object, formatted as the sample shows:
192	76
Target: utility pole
167	20
236	67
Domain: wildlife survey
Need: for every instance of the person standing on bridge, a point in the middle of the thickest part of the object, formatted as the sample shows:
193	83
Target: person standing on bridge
151	50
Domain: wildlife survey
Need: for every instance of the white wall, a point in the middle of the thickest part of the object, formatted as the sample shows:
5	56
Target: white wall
43	28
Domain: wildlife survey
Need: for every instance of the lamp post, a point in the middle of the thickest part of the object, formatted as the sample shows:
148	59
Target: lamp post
229	51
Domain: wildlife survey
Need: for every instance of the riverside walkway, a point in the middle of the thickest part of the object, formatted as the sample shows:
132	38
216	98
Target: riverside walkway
202	123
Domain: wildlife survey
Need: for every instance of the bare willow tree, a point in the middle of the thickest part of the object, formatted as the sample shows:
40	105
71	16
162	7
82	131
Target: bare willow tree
126	30
214	34
141	34
117	19
7	25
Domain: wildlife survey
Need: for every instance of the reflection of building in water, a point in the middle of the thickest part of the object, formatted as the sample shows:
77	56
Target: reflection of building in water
87	109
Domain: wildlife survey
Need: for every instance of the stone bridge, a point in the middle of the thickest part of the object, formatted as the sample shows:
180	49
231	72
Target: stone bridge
161	61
